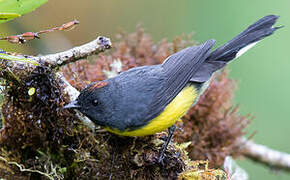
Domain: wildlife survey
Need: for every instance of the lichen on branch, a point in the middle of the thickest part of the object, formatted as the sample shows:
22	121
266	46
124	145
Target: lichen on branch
59	59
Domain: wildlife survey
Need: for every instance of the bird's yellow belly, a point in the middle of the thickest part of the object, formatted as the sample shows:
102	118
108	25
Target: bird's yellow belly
172	113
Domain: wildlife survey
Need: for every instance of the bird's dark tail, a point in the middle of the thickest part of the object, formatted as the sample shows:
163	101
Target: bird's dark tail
255	32
236	47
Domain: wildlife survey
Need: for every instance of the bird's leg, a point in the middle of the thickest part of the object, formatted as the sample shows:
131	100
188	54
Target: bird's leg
112	164
168	139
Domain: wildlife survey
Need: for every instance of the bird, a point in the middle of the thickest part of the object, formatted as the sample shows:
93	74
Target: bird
149	99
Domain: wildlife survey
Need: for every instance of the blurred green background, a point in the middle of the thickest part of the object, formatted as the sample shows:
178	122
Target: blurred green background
263	72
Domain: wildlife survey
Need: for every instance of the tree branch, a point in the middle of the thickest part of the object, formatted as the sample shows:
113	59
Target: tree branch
73	94
265	155
59	59
20	65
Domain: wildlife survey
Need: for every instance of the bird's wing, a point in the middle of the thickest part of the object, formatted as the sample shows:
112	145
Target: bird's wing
177	69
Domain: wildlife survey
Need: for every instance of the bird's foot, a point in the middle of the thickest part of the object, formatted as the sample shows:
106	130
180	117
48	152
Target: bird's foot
164	146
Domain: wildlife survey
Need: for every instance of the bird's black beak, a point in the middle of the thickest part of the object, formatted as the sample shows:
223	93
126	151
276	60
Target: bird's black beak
73	104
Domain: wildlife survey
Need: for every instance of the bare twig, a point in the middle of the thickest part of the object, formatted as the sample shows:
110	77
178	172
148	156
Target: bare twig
265	155
94	47
23	38
73	94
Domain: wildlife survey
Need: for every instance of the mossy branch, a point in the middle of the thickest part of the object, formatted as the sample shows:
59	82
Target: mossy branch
14	67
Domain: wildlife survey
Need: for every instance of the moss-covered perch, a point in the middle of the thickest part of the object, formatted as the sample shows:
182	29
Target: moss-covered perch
40	140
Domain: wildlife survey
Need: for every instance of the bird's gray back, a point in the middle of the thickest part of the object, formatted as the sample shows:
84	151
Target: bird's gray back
134	90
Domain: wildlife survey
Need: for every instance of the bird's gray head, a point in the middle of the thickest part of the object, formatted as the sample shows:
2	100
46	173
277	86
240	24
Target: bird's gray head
92	102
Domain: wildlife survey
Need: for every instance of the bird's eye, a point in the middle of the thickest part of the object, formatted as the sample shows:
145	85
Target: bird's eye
95	102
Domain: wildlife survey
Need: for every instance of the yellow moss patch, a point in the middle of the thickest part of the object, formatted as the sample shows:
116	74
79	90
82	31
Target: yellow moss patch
199	171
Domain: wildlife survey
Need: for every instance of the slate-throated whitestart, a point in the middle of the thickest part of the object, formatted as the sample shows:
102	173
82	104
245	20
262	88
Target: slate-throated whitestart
148	99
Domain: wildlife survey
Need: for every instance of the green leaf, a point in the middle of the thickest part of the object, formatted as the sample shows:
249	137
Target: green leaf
10	9
16	58
8	16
